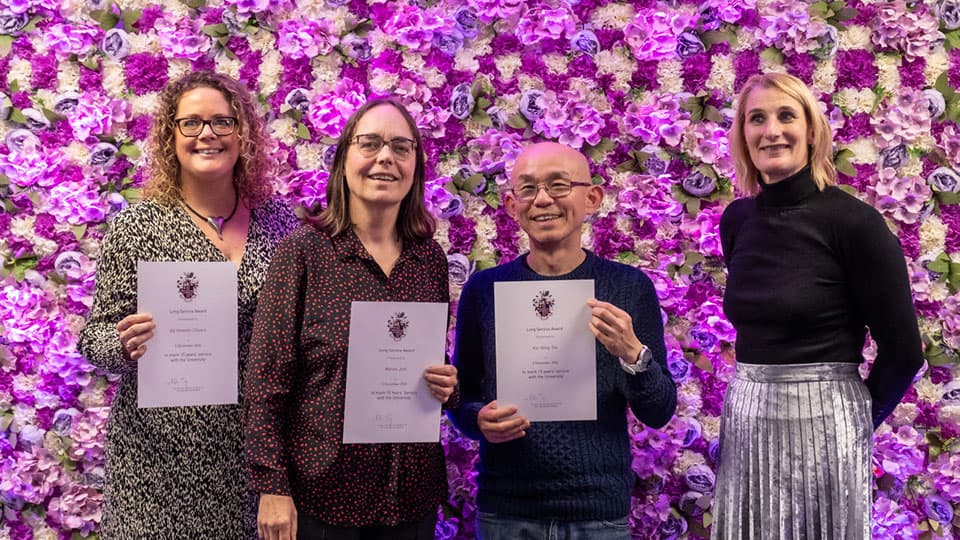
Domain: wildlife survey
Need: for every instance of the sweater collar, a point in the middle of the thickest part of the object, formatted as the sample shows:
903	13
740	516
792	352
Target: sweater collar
789	191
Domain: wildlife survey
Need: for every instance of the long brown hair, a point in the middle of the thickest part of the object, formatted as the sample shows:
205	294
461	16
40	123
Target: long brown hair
253	169
414	222
821	144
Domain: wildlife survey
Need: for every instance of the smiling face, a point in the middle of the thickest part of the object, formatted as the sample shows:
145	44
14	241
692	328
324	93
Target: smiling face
207	156
552	223
777	134
385	178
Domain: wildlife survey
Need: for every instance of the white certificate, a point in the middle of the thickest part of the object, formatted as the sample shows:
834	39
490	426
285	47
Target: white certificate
546	354
192	358
391	343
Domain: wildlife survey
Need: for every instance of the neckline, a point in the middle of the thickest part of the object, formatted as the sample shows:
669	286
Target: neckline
789	191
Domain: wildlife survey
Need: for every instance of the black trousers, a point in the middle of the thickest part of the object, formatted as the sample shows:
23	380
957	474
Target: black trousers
309	528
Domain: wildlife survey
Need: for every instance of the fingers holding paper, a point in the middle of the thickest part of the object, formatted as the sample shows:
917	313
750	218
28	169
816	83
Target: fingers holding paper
135	330
441	380
613	328
501	424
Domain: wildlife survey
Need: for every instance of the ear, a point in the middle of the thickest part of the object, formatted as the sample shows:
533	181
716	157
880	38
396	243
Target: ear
594	198
511	204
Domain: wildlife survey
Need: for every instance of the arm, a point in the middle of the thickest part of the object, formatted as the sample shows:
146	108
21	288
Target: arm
115	298
881	298
651	394
730	222
271	368
468	359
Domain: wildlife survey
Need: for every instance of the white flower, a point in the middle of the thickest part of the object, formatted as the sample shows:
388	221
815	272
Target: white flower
178	67
711	426
855	37
284	129
143	43
722	74
746	41
466	60
263	41
114	81
864	150
937	62
612	15
68	76
270	69
77	152
913	167
145	104
855	101
824	77
507	65
413	62
928	391
556	63
22	227
310	156
382	81
669	74
434	77
933	234
20	71
888	74
687	459
326	69
229	66
379	41
769	66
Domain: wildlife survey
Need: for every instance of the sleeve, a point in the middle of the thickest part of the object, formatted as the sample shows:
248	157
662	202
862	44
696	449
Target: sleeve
468	357
730	222
880	292
443	278
652	394
271	368
115	297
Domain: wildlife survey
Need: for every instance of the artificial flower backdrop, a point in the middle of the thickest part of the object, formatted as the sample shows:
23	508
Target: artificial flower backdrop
644	87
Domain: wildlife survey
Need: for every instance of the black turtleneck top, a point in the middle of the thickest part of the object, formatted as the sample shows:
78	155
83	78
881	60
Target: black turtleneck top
809	272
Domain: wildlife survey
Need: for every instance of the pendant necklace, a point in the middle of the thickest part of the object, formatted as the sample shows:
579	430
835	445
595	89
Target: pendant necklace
215	221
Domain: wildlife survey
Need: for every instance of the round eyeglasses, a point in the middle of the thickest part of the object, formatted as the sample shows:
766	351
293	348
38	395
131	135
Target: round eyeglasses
556	189
193	127
369	145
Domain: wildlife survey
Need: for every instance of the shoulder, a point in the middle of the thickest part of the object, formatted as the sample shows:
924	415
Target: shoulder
140	216
849	214
623	275
483	280
275	215
736	213
430	250
306	238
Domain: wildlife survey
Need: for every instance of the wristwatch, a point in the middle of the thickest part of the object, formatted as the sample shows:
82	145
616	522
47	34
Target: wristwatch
644	357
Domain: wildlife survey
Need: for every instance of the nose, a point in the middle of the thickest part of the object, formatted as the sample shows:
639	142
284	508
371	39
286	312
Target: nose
772	129
385	155
542	198
206	131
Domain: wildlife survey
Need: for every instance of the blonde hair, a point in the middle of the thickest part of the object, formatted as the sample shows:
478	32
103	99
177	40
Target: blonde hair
252	172
821	145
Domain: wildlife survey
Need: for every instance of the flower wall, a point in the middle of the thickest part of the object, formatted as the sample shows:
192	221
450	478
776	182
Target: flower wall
642	87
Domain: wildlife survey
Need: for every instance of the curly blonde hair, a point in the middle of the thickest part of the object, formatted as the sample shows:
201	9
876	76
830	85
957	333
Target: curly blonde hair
821	144
254	167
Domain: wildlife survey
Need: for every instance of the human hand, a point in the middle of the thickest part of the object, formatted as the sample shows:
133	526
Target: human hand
613	328
135	330
497	425
441	380
277	518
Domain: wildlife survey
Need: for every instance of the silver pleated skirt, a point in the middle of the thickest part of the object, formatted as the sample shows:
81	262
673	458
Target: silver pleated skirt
795	449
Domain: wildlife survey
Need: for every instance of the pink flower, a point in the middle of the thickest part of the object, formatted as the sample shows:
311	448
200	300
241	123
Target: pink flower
306	39
657	120
904	199
68	39
540	23
652	35
182	38
78	507
414	28
329	111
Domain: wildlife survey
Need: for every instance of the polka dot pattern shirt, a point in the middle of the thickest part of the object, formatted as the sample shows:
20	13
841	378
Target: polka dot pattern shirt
296	382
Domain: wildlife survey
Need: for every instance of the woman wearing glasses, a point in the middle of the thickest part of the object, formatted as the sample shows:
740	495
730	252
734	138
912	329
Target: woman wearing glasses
179	472
373	242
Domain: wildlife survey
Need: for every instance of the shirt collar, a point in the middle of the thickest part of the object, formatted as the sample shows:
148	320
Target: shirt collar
789	191
348	245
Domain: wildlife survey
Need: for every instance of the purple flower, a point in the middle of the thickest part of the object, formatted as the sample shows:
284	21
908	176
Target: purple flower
689	44
693	432
18	139
448	43
531	105
700	478
894	156
461	101
855	69
103	155
690	504
12	23
713	450
935	102
115	43
672	528
356	47
298	99
678	366
938	509
699	184
950	14
35	120
944	179
460	268
585	41
467	22
66	103
145	73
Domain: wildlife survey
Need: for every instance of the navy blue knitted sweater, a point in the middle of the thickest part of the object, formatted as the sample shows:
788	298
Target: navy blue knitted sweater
563	470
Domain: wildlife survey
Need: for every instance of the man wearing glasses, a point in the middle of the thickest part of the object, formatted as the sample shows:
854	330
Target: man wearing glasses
561	479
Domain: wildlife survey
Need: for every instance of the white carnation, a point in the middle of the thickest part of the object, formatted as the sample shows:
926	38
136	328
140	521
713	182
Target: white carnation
309	156
913	167
933	235
612	15
507	65
114	80
68	77
177	68
229	66
143	43
379	41
413	62
145	104
466	60
23	227
824	77
326	69
263	41
687	459
722	75
669	73
434	77
556	63
284	129
937	63
270	69
382	81
854	37
927	390
77	152
746	41
888	72
21	71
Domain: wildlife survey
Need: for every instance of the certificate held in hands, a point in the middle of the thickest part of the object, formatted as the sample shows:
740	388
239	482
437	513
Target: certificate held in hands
192	358
546	354
391	343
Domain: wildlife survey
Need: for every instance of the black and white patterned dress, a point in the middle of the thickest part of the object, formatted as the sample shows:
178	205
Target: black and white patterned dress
173	472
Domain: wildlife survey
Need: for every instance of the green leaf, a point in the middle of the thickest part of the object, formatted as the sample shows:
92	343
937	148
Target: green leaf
130	150
937	356
517	121
6	42
194	4
597	152
17	117
14	87
216	30
303	132
942	85
90	62
692	258
694	106
105	17
482	103
628	257
846	14
472	183
953	39
953	277
130	18
132	195
481	117
842	162
821	9
32	25
693	207
79	231
772	55
492	198
946	197
940	265
713	37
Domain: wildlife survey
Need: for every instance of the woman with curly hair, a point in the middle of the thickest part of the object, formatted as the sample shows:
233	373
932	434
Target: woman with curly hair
178	472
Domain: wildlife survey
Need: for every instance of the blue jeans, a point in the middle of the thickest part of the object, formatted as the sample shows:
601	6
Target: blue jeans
499	527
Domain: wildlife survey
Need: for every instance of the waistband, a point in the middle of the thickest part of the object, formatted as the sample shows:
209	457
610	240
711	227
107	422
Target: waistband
783	373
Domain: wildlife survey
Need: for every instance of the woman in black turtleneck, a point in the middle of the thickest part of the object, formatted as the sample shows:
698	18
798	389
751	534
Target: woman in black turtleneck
811	269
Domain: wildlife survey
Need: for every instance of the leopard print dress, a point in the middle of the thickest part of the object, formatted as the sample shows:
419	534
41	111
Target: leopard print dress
173	472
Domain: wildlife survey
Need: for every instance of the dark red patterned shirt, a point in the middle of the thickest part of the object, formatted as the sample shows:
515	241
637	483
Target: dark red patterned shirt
296	382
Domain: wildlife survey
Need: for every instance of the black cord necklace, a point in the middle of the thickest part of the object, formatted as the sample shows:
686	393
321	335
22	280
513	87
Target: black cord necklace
215	221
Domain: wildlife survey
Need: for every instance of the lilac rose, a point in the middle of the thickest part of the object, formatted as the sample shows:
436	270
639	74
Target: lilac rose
298	99
829	41
713	450
689	504
935	102
938	509
103	155
673	527
951	393
17	139
460	268
950	14
709	20
115	43
230	20
585	41
356	47
467	22
36	120
894	156
531	105
699	184
689	44
63	419
5	106
12	23
700	478
329	155
694	431
66	103
944	179
461	101
448	44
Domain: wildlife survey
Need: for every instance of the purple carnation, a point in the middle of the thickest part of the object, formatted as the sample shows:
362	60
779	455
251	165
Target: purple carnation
462	234
911	73
145	73
608	240
204	63
696	70
855	69
910	239
858	125
801	65
953	73
645	76
297	71
745	64
505	243
90	79
139	127
4	67
865	12
950	215
44	72
148	17
21	100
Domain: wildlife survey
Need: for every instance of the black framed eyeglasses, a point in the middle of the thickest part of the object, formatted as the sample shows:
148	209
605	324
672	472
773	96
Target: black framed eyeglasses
369	145
193	127
557	189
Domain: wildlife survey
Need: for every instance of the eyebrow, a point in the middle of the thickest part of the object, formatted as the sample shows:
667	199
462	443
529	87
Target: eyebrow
779	109
557	175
